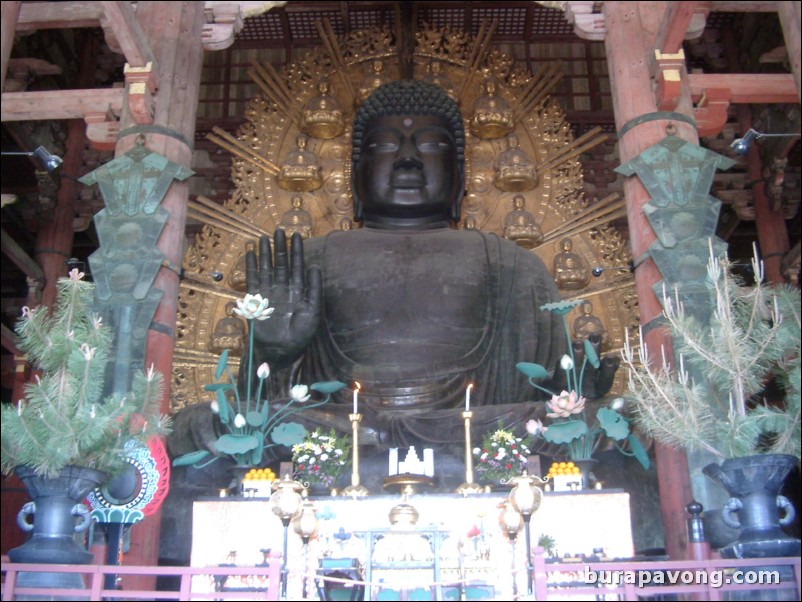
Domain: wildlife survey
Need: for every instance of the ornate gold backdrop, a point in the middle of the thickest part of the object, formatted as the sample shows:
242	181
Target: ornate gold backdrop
291	167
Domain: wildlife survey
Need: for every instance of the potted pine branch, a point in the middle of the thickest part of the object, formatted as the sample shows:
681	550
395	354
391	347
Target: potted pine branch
714	397
63	438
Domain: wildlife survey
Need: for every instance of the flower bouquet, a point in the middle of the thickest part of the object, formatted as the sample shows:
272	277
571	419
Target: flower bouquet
321	458
501	456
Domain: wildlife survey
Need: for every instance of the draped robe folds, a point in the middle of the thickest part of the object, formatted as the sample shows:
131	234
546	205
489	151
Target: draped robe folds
416	316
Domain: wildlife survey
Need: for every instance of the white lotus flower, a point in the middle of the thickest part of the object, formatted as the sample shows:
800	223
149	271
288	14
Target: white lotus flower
263	371
533	427
239	421
566	363
618	403
253	307
300	393
215	407
565	404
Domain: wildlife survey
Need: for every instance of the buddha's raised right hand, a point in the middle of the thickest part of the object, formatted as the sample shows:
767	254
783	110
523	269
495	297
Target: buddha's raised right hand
295	295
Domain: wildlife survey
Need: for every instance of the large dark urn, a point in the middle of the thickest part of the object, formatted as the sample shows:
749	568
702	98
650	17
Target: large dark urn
755	507
56	503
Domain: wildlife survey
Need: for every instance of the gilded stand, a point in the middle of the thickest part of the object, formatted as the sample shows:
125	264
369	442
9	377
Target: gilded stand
355	489
468	487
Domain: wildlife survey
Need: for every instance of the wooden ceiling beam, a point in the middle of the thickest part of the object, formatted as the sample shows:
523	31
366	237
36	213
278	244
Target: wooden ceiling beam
674	26
19	257
58	15
60	104
746	88
121	18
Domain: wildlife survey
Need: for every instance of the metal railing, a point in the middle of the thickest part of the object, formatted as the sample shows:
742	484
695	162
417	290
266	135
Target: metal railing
702	579
194	583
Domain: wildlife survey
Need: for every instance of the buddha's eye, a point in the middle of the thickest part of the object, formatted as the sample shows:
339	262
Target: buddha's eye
384	142
432	141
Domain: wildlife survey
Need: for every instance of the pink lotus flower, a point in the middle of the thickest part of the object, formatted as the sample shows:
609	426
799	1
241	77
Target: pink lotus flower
565	404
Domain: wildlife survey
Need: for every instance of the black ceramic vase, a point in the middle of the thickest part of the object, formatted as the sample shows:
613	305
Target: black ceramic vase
755	507
55	504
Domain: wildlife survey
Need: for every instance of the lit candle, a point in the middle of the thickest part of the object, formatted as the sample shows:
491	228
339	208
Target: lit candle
356	406
468	398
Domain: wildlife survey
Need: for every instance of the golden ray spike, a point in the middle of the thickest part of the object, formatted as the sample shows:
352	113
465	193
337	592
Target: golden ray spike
272	85
542	92
577	228
478	51
241	150
201	287
581	144
332	46
608	204
619	283
245	224
212	218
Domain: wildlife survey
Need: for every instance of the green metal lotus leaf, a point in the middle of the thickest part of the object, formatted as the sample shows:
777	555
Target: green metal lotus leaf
218	387
288	433
224	409
191	458
590	354
255	419
565	432
327	387
236	444
256	454
561	307
221	364
638	451
613	423
534	371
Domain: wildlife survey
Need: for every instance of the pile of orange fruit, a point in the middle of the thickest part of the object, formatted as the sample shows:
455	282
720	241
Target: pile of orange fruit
260	474
562	469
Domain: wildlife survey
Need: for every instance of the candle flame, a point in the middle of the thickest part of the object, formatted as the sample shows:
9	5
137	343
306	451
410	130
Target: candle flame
357	386
470	386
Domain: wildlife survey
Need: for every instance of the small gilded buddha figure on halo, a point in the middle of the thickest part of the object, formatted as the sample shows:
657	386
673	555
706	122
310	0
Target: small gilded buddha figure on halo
570	270
492	115
586	324
297	219
301	171
322	116
229	333
514	170
520	226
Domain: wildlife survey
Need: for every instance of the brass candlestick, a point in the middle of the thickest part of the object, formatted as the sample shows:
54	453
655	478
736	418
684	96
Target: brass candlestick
355	489
468	486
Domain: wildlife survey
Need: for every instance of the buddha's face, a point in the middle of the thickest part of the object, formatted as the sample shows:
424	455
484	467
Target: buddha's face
407	168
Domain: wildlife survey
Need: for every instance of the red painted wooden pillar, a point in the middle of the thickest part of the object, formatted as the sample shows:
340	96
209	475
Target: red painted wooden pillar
631	31
173	31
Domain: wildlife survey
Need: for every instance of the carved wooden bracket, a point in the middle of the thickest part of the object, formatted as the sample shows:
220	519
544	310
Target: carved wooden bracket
669	79
102	129
141	83
224	22
711	111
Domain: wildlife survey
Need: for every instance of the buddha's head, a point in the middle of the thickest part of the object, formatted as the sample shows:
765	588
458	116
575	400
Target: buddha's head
408	161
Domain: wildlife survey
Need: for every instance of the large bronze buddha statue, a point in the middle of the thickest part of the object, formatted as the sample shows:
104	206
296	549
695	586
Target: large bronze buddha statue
409	306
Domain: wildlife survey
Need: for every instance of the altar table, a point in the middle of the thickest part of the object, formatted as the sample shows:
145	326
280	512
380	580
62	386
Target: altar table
456	539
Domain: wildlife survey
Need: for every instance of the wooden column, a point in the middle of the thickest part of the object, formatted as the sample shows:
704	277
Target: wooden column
173	32
631	33
54	239
790	14
9	15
